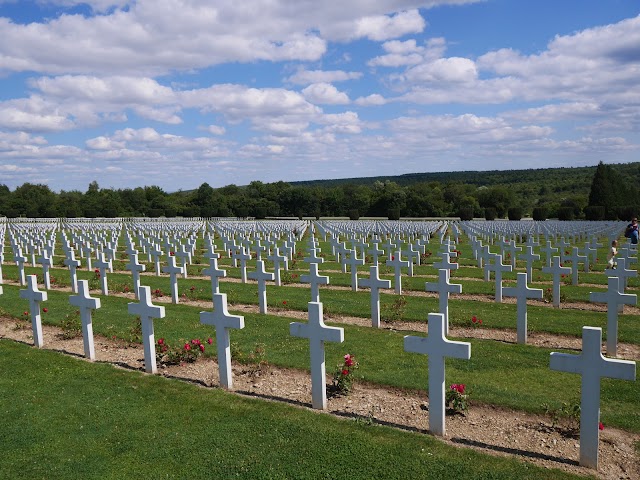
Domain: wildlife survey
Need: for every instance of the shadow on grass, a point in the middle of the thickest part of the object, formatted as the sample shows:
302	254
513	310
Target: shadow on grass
512	451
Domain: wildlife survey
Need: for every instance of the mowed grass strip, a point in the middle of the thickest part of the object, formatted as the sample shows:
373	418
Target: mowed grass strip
508	375
544	319
63	418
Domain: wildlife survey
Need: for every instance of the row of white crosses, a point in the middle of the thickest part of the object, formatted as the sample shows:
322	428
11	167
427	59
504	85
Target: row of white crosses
590	364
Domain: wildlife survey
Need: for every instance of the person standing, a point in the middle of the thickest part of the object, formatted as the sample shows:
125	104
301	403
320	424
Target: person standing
632	231
611	256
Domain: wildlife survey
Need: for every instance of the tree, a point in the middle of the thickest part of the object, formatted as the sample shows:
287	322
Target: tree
608	190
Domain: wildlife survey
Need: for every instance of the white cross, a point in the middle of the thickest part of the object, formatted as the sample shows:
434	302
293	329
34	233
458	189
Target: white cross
556	270
135	269
147	311
437	347
315	280
215	273
397	263
443	288
45	261
242	255
85	304
622	272
87	250
446	264
317	333
34	296
102	265
156	252
222	321
353	261
613	298
375	284
276	258
185	257
20	261
73	264
592	366
548	251
529	257
522	292
513	249
173	270
575	260
498	267
313	257
261	276
375	253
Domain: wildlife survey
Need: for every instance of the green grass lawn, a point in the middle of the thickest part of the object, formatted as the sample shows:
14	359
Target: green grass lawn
63	418
508	375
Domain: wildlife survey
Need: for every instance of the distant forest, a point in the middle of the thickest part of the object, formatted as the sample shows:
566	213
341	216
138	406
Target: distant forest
605	191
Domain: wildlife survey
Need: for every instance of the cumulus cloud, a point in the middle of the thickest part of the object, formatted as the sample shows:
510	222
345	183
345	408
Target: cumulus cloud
305	77
325	93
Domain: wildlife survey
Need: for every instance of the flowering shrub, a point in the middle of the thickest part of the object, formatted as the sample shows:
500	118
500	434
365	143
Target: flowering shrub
288	277
71	326
476	322
187	352
342	378
395	311
255	361
157	293
456	399
566	418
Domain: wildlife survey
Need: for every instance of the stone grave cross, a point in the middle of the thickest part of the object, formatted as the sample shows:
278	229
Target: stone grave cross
73	264
173	270
45	261
222	321
443	288
135	269
353	261
317	333
85	304
215	273
591	365
397	263
147	311
34	296
437	347
375	284
261	276
613	298
529	258
556	270
315	280
521	291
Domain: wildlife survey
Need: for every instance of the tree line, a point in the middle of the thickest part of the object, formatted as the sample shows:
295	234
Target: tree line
587	192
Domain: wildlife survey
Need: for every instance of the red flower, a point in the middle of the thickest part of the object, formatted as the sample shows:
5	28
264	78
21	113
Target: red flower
192	288
209	340
26	313
187	346
393	257
201	347
171	253
601	426
562	276
97	270
458	387
161	341
345	372
45	309
474	319
284	302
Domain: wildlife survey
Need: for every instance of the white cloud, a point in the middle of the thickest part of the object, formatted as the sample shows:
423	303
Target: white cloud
383	27
373	99
216	130
305	77
325	93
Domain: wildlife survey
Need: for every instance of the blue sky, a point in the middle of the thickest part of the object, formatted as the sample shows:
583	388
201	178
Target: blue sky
175	93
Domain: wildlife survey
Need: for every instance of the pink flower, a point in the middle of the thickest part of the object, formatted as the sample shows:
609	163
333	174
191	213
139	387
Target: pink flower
458	387
600	426
201	347
172	253
474	319
209	340
161	341
187	346
345	372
